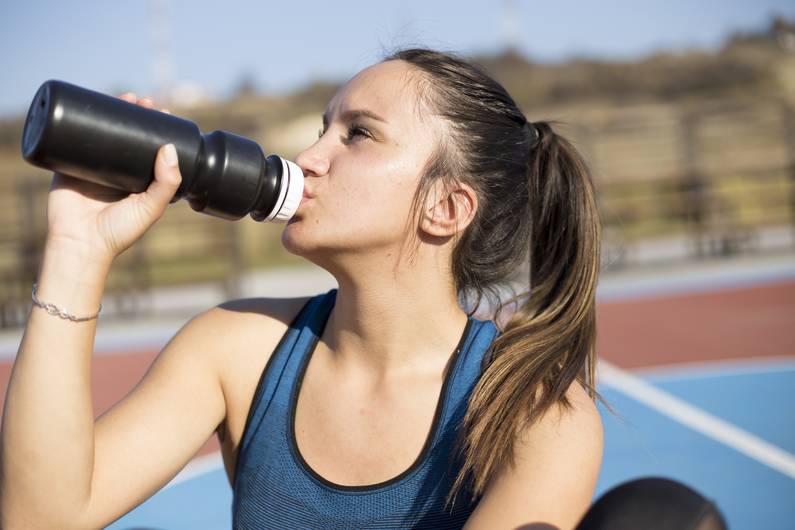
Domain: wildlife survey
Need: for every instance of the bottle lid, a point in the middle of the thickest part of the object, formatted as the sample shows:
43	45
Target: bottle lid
291	191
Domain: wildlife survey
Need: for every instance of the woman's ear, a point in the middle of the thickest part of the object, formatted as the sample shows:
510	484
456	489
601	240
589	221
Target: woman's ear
448	208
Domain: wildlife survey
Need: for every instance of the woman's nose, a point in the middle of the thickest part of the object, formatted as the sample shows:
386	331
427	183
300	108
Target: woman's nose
313	161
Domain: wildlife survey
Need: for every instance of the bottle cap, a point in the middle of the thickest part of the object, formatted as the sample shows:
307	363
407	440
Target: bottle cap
291	191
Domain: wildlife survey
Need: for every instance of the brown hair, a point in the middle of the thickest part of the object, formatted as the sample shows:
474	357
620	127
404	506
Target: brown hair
536	204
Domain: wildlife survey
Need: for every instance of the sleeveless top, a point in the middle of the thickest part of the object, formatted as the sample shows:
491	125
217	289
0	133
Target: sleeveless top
275	488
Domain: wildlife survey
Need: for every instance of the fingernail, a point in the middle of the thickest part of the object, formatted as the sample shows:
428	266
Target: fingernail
170	155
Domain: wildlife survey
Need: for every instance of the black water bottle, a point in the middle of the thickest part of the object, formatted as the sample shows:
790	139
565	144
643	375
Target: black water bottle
109	141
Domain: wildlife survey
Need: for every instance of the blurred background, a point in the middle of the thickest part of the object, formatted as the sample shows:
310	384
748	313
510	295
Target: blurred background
685	112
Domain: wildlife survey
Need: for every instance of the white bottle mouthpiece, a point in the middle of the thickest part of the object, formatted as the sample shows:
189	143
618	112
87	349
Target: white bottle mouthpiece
290	192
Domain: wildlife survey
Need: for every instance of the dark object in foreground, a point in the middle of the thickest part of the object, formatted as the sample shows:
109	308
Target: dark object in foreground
652	503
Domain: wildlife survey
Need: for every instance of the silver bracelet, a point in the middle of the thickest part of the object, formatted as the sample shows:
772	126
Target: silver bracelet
57	311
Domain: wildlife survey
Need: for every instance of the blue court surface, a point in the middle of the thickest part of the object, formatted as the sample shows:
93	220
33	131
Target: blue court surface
725	429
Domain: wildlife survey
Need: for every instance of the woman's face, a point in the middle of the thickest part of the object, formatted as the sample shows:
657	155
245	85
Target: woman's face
362	172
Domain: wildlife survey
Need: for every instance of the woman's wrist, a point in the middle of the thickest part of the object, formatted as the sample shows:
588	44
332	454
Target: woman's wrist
72	276
77	249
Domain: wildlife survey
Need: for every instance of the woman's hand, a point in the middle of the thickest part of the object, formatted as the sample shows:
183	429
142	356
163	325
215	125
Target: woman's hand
106	221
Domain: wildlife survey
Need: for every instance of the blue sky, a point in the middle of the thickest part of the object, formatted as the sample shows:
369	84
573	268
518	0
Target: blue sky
109	46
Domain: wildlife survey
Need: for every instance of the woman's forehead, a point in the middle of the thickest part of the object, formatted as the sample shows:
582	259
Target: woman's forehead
386	89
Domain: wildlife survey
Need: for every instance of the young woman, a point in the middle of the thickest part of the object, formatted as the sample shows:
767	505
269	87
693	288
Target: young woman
381	404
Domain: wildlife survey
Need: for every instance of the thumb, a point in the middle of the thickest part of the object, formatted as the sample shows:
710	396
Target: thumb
167	179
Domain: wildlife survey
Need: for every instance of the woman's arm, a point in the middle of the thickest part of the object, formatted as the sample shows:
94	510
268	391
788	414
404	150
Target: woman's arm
557	466
58	469
47	429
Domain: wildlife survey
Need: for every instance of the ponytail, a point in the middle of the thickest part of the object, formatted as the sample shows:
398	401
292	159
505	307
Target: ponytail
536	204
549	341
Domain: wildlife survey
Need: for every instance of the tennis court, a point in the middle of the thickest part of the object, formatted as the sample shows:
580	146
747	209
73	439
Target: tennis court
697	361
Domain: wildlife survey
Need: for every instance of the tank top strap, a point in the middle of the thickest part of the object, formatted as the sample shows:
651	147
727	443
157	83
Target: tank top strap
474	357
301	335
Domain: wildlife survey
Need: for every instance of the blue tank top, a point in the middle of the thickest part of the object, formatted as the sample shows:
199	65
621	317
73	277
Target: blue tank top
275	488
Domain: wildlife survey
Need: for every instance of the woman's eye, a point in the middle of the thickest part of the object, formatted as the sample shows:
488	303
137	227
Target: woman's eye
353	131
357	130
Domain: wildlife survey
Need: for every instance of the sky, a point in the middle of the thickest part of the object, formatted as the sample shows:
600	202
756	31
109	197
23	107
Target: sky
122	45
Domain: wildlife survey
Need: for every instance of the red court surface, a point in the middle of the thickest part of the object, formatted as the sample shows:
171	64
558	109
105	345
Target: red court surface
717	325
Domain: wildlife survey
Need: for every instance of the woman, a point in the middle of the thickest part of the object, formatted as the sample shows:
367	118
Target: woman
426	188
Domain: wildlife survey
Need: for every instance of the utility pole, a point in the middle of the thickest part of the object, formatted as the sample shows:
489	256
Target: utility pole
511	25
162	63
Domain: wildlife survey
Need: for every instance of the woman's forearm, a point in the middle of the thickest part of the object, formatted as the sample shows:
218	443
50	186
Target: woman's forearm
48	421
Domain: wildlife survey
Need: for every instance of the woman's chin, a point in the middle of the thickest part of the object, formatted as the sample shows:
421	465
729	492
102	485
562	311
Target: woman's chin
290	243
295	241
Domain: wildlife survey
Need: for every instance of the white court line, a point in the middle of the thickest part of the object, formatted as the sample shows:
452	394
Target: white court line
697	419
197	467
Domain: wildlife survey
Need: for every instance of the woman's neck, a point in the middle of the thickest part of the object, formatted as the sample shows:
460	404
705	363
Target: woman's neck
392	323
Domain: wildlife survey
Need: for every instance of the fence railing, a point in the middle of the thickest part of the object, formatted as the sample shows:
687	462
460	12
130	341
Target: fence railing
714	179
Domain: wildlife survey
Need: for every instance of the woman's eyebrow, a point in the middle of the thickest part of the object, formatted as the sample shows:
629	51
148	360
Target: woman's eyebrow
351	115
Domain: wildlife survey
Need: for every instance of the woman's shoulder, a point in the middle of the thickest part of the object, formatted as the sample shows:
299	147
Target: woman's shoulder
259	310
240	320
251	324
553	470
247	331
241	334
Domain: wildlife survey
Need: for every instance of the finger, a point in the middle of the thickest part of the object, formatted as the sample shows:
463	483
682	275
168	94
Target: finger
147	102
166	111
167	180
128	96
